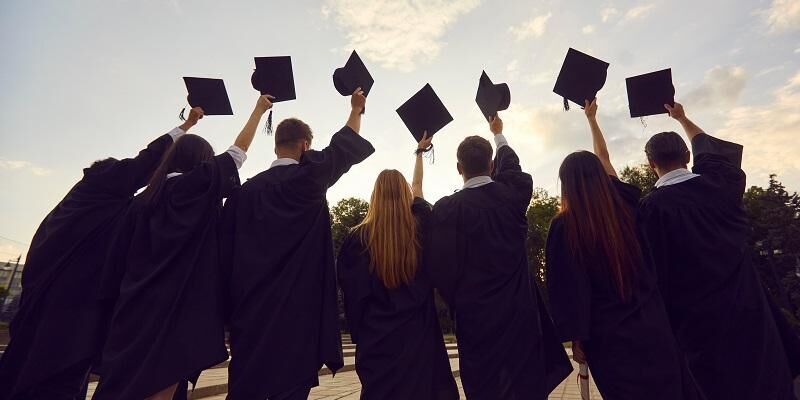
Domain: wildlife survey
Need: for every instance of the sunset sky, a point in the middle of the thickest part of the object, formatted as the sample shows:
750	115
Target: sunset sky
84	80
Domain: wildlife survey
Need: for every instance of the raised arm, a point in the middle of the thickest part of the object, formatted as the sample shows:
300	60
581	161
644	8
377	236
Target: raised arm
247	134
598	141
679	115
506	166
416	183
357	103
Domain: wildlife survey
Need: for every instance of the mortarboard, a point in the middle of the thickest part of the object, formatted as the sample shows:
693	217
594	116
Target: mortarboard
424	111
208	94
352	76
580	78
492	98
648	93
273	76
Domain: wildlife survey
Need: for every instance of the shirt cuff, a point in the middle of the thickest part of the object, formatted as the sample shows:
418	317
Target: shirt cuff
238	155
176	133
500	141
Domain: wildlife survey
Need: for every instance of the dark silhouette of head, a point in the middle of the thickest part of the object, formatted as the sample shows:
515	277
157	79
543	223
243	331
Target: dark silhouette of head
474	156
292	138
188	152
666	151
597	222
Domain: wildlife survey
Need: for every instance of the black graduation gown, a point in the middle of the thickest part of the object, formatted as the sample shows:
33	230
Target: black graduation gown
476	255
168	322
629	345
400	351
698	233
284	313
60	322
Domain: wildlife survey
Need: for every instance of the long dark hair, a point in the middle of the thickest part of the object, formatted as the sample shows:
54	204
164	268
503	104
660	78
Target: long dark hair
186	153
597	221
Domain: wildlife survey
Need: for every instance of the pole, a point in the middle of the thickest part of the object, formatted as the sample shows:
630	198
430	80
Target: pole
13	274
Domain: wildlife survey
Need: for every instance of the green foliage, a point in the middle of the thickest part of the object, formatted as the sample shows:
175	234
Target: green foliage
542	210
345	215
641	176
775	218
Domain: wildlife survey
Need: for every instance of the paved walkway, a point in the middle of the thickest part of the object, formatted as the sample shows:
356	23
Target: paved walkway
345	386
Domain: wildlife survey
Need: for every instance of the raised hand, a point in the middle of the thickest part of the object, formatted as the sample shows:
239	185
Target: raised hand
496	125
358	101
425	142
590	108
264	103
676	111
195	114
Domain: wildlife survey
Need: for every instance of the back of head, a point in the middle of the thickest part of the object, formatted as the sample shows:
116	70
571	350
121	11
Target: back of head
474	154
291	132
667	150
389	231
596	220
188	152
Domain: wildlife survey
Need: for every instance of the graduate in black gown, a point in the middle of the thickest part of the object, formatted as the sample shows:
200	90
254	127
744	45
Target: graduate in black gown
476	254
58	332
168	322
697	229
388	295
602	288
284	322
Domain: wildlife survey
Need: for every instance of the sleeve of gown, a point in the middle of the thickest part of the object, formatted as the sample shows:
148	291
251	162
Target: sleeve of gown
128	175
218	177
721	160
508	171
630	194
441	253
568	287
355	281
346	149
422	212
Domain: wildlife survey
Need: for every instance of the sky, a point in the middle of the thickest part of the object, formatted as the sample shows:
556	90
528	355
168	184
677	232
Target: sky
85	80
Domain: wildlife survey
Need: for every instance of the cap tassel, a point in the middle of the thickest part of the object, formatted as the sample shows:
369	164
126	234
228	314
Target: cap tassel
566	104
644	123
430	154
182	118
268	126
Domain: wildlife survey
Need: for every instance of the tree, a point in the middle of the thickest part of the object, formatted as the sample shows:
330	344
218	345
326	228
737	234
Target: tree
542	210
345	215
775	219
641	176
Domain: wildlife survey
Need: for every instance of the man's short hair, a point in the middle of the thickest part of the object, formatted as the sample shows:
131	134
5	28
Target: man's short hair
292	130
667	149
474	154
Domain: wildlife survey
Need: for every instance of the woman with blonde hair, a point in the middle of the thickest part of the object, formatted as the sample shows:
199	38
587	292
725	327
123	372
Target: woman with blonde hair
388	297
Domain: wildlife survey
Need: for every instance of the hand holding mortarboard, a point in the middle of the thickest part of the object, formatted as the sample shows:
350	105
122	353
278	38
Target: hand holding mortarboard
209	94
358	101
424	144
195	114
496	125
353	75
590	108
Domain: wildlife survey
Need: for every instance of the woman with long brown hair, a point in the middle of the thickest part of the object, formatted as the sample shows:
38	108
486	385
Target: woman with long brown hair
388	297
168	322
602	288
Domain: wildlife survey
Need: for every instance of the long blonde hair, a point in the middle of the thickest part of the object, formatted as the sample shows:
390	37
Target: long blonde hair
389	231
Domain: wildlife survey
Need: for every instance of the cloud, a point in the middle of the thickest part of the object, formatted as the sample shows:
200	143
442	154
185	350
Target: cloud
767	71
24	165
768	133
607	13
397	33
588	29
782	16
533	28
638	12
721	87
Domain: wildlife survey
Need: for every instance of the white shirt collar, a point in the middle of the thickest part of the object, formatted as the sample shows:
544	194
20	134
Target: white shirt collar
283	161
674	177
477	181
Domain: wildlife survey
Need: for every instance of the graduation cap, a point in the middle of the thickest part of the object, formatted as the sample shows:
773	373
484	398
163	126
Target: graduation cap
208	94
492	98
273	76
352	76
580	78
648	93
424	111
